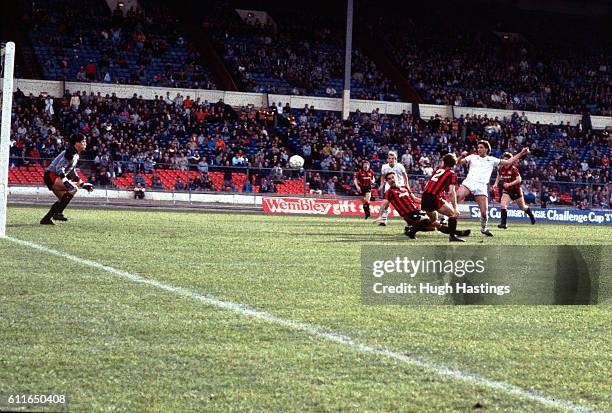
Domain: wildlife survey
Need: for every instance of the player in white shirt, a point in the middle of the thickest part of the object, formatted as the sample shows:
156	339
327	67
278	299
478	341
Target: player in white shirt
479	174
401	178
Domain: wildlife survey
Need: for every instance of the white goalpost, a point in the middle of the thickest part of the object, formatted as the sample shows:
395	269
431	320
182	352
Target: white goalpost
7	58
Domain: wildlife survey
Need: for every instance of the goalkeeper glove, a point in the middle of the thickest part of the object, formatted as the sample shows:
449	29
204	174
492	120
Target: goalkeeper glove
87	186
69	185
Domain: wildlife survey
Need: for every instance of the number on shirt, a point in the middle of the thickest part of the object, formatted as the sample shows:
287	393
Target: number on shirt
437	175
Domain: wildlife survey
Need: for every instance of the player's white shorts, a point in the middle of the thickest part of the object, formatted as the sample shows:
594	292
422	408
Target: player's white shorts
476	188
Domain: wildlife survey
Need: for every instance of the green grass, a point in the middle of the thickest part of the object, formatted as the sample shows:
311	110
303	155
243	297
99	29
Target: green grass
115	345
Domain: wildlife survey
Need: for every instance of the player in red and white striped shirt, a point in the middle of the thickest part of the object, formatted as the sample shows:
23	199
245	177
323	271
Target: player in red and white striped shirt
364	178
400	176
407	205
509	179
442	179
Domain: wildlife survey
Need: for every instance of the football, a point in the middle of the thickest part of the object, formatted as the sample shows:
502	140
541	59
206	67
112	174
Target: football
296	162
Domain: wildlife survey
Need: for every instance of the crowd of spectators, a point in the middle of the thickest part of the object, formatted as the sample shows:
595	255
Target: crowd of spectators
449	58
468	63
175	132
564	158
139	136
450	73
81	40
300	55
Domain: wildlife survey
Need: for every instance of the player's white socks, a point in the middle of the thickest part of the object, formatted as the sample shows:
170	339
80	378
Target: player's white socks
483	224
385	214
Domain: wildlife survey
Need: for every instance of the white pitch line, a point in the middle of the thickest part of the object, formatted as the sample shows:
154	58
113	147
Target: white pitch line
316	331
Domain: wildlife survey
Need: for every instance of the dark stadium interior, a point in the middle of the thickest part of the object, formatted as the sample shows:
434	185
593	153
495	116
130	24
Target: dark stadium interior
468	54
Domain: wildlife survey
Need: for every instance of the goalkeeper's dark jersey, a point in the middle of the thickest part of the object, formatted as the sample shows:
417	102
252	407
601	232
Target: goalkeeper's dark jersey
64	164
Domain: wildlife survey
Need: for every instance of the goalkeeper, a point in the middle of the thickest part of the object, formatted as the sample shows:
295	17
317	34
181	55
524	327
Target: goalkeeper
62	179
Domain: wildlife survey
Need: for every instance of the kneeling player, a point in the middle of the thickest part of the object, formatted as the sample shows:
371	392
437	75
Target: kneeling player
363	182
61	178
511	191
400	177
442	179
405	203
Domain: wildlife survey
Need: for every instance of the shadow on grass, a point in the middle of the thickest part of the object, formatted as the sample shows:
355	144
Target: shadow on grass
309	224
373	236
28	225
393	238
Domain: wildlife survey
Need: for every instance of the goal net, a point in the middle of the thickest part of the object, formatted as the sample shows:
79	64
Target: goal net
7	61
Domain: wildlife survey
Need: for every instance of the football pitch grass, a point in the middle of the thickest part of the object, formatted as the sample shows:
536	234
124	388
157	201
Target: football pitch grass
70	323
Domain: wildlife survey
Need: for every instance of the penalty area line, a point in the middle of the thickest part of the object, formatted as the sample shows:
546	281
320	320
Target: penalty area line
316	331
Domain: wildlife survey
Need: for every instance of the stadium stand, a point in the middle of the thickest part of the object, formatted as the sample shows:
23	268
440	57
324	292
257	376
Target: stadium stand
474	56
84	41
563	155
461	55
303	55
214	147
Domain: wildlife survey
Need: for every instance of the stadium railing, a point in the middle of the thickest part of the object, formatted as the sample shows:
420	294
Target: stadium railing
248	180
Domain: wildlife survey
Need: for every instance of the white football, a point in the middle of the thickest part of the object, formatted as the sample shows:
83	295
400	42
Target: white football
296	162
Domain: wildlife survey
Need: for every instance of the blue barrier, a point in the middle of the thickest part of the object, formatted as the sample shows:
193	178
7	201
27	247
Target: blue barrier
558	215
